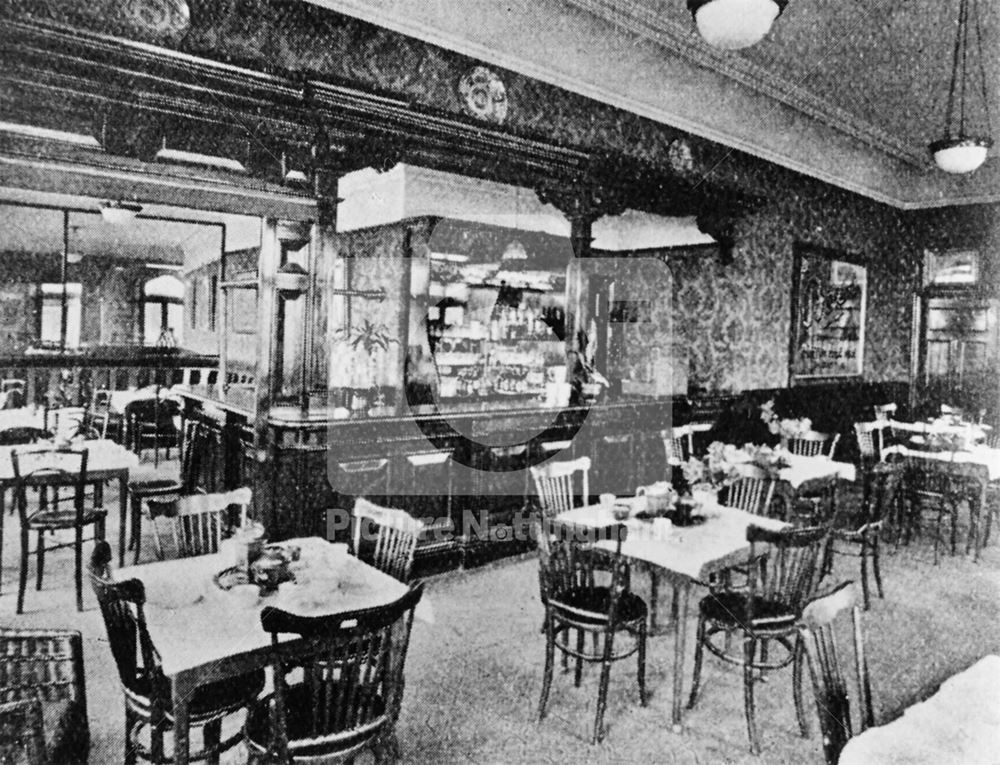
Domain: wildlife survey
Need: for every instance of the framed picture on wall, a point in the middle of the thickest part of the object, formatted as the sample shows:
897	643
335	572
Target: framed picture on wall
952	267
829	301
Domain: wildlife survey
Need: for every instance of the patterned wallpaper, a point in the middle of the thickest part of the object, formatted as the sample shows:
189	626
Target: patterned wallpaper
735	318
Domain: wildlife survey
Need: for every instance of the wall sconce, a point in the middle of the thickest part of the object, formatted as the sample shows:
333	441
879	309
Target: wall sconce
119	212
291	280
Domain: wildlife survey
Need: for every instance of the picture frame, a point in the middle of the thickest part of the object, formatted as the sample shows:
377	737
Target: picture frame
951	268
829	311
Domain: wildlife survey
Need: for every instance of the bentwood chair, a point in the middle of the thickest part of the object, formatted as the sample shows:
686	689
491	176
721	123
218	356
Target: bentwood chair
585	590
152	421
943	488
557	487
148	701
13	393
45	666
332	715
156	490
42	481
102	420
833	702
814	444
753	492
385	537
858	533
202	520
781	578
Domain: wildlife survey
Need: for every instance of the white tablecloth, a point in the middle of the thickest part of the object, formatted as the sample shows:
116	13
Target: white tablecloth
801	469
958	724
102	455
979	455
192	622
24	417
692	551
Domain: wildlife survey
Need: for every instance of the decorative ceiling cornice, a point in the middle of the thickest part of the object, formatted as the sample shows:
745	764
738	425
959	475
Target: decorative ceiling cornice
638	18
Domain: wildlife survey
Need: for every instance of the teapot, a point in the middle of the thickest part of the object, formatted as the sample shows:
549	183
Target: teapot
660	496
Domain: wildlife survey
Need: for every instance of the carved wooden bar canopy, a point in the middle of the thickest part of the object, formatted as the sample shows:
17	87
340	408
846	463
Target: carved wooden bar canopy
138	99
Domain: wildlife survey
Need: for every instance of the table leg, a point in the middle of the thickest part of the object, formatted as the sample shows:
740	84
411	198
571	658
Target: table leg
654	600
680	631
182	744
3	512
123	515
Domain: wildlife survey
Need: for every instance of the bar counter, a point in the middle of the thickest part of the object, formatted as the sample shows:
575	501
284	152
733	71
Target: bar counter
469	461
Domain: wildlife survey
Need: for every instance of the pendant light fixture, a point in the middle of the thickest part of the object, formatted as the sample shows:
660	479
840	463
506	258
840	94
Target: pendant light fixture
962	150
735	24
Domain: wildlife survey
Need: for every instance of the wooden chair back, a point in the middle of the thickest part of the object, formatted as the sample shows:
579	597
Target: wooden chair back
678	443
395	540
555	485
825	668
23	733
100	412
122	606
753	492
569	563
49	470
338	711
871	439
786	568
814	444
46	666
202	519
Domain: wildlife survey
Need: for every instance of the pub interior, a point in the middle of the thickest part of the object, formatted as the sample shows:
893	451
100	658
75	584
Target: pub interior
335	303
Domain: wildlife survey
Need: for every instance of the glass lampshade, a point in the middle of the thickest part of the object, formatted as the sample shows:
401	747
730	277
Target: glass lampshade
960	155
734	24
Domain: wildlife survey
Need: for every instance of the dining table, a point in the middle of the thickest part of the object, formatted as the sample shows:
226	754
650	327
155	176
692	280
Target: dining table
206	629
959	723
684	556
106	461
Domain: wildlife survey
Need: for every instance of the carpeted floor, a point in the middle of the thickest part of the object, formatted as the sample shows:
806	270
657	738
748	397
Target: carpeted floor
473	676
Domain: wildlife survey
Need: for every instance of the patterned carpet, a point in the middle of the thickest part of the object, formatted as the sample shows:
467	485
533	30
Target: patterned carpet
473	676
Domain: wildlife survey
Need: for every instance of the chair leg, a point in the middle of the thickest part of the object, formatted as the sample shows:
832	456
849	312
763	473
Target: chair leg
876	566
78	573
135	518
550	651
602	694
800	709
131	753
866	599
23	577
641	660
749	649
578	669
40	562
212	733
699	650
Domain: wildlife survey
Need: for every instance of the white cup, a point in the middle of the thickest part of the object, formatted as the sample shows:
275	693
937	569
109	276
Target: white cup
607	501
662	529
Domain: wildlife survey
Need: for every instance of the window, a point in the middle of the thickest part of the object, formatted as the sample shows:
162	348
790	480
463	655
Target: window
50	314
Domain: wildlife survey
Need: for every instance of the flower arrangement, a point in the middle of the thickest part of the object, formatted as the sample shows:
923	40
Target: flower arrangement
717	469
720	467
784	427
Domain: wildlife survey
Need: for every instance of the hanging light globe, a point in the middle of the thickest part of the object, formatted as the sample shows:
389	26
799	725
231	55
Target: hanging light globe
961	150
735	24
960	155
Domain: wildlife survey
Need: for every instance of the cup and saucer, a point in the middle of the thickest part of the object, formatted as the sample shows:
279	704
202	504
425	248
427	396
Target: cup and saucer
684	513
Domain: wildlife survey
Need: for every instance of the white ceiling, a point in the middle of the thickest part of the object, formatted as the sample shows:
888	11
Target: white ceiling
160	234
848	91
